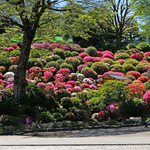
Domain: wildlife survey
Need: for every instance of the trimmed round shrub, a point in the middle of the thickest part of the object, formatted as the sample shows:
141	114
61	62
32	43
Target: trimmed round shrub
73	61
58	116
66	102
146	97
35	54
136	56
82	55
88	59
95	104
59	52
136	74
128	67
69	66
46	117
89	73
141	68
143	79
117	68
107	56
54	64
70	116
5	61
14	53
130	45
89	64
146	54
92	93
113	92
55	57
34	62
76	102
100	68
143	46
133	107
82	96
91	51
147	58
48	58
133	62
60	61
121	56
109	61
68	54
4	53
74	53
80	67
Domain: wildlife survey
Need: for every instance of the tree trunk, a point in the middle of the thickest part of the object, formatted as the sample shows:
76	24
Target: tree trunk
20	82
118	40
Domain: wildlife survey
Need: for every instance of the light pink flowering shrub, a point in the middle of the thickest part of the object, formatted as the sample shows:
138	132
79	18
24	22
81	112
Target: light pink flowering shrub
64	71
47	76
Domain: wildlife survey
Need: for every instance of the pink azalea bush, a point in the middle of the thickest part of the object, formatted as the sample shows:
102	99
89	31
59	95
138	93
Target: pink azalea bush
136	56
146	97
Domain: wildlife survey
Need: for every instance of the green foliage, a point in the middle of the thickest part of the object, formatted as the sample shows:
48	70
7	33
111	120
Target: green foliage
143	46
35	54
131	45
147	85
76	102
89	64
66	102
68	54
34	62
141	67
59	52
14	53
56	57
95	105
100	68
121	56
117	68
74	53
147	58
4	53
89	73
5	61
92	93
69	66
48	58
82	96
133	107
60	61
109	61
91	51
54	64
128	67
46	117
58	116
133	62
60	95
113	92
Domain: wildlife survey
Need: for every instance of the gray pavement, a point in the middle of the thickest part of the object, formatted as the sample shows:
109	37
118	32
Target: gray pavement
96	139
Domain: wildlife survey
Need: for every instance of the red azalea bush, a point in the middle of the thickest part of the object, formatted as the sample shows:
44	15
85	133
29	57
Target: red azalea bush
146	54
14	60
82	55
136	56
84	85
73	83
146	97
136	74
88	59
102	115
64	71
144	61
96	59
143	79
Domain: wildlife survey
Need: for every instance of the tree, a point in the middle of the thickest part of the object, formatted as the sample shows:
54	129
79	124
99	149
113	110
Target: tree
118	17
26	15
142	12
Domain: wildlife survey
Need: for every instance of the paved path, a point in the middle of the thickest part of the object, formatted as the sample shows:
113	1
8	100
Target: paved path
106	139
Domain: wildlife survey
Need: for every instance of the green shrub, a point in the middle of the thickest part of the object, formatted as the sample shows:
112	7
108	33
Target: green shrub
74	53
107	60
92	93
143	46
58	116
4	53
5	61
34	62
110	46
82	96
59	52
14	53
76	102
73	61
60	95
35	54
56	57
91	51
147	85
70	116
89	73
133	62
48	58
113	92
100	68
141	67
128	67
117	68
46	117
69	66
89	64
34	96
133	107
120	51
68	54
54	64
121	56
66	102
95	104
60	61
131	45
147	58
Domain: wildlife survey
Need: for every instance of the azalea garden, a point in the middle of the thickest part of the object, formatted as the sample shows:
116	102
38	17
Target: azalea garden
65	84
